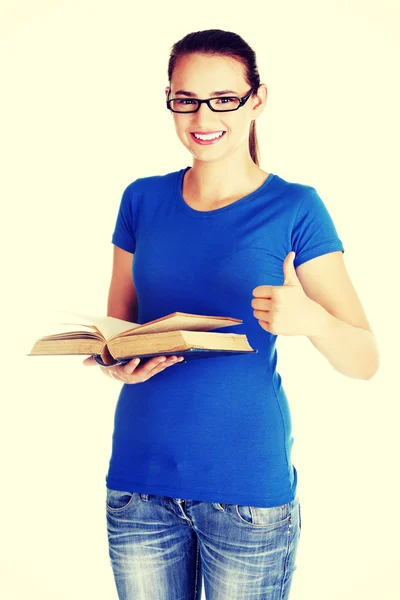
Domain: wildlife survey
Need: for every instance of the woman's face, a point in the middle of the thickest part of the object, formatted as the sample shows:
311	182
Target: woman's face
203	75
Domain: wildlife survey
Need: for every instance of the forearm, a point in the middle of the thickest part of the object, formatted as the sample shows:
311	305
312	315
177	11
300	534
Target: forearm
353	351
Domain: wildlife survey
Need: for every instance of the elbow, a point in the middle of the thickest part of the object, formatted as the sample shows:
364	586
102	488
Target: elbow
374	365
366	370
372	374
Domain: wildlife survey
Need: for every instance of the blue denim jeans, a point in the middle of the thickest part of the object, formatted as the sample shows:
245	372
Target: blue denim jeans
162	548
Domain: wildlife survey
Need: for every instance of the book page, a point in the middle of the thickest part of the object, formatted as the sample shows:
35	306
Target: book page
188	321
109	327
61	330
52	322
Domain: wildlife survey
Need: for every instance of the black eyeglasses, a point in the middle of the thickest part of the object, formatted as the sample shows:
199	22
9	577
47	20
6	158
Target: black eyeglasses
221	104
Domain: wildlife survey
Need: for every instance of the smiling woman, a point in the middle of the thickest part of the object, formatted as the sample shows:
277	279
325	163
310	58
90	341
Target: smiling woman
200	473
193	102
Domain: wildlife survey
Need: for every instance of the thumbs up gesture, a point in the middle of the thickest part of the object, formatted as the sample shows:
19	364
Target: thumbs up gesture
286	309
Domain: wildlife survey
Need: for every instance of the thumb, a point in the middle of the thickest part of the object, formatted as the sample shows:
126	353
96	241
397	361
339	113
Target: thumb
289	272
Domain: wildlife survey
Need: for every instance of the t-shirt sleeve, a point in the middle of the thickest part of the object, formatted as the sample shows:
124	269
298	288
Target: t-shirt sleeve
314	232
124	230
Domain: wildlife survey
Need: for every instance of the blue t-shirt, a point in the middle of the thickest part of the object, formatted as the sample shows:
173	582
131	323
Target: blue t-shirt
214	429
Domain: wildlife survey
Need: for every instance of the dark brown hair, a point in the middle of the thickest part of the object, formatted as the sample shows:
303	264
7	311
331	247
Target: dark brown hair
221	43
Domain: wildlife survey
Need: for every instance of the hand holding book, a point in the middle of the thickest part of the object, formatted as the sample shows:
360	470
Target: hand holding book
134	371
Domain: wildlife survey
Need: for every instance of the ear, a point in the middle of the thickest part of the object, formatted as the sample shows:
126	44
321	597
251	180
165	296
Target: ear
261	101
167	89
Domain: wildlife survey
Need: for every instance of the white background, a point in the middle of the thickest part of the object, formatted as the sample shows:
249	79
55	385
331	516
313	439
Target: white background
75	131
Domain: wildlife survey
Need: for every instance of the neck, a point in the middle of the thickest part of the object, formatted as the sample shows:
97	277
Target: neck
225	179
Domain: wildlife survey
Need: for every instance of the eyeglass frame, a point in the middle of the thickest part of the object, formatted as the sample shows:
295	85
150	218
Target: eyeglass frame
242	102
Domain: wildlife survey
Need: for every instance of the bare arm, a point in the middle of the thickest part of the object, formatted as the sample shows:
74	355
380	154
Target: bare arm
346	338
122	298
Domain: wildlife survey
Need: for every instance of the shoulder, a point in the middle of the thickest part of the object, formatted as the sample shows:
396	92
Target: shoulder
305	202
292	192
143	196
151	183
295	198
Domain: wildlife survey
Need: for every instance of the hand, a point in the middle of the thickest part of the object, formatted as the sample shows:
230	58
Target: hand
286	309
131	373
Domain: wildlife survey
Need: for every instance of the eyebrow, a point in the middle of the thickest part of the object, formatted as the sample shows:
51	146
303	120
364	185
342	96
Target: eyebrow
218	93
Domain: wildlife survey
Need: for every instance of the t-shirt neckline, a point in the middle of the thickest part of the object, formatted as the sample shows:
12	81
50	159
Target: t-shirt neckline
217	211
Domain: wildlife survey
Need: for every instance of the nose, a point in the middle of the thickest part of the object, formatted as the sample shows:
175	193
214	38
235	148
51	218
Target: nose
202	118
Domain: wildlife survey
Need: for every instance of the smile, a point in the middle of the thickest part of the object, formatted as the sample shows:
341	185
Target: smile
210	138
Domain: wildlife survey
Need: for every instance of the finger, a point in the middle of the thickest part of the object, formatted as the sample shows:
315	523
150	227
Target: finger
171	360
130	366
154	365
261	303
161	364
262	315
263	291
146	369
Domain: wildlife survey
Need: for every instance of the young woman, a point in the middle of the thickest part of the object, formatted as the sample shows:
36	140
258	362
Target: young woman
200	481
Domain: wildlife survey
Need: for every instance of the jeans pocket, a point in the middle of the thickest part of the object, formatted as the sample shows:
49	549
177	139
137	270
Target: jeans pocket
117	500
259	517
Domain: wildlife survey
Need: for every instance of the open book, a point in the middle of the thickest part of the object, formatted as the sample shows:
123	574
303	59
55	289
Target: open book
114	341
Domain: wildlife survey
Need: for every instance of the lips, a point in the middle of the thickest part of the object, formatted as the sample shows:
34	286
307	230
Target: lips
208	132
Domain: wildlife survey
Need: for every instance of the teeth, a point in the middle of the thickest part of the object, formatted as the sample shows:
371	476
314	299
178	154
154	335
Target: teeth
210	136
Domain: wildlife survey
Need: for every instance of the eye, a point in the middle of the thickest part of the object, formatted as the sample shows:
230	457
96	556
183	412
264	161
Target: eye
183	101
227	100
